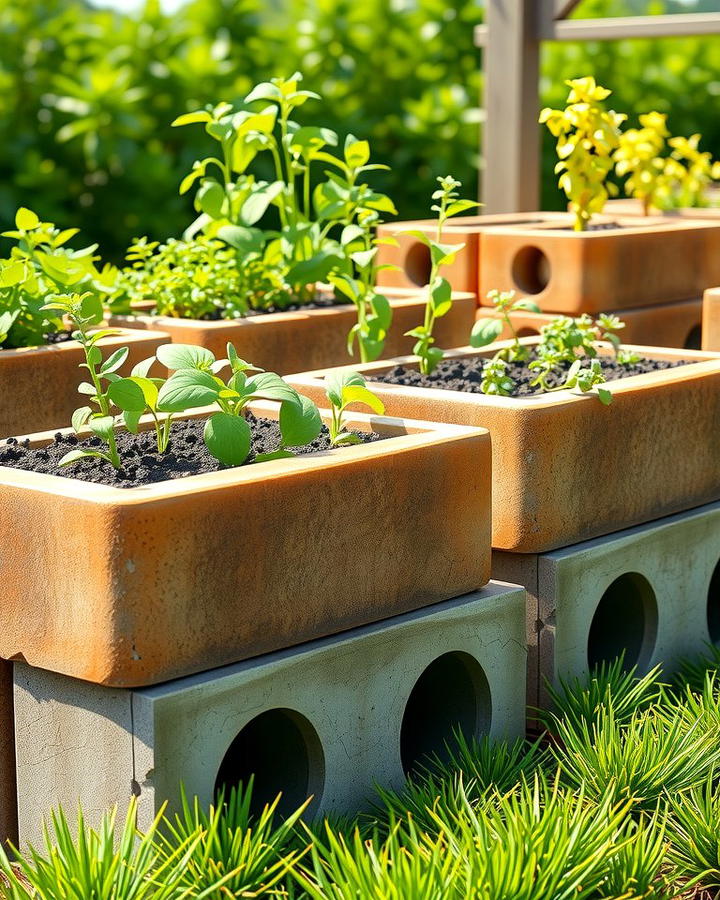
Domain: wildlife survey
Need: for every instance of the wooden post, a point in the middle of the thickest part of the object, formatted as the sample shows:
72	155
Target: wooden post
511	142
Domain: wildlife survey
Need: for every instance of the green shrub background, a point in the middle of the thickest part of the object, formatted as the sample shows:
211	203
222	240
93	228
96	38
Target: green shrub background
86	95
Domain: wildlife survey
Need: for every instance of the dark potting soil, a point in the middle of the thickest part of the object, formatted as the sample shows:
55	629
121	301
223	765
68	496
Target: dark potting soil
142	464
465	374
59	337
323	301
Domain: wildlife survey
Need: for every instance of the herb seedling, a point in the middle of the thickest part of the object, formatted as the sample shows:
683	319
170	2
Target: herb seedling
496	380
439	292
98	417
342	389
587	136
196	382
689	172
485	331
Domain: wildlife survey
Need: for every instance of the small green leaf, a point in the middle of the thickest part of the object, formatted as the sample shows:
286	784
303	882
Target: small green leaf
102	426
75	455
353	393
185	356
336	382
269	386
605	396
485	331
347	437
26	220
187	389
127	395
80	417
142	368
114	361
210	199
299	423
228	438
527	305
86	388
192	118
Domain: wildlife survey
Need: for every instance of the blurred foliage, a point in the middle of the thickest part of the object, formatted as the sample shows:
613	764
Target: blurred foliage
87	95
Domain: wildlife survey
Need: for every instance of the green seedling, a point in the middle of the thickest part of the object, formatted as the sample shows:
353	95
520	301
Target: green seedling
196	382
495	378
343	389
439	292
485	331
98	417
639	156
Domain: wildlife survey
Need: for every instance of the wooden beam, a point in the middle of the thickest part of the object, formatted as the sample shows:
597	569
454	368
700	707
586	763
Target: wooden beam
677	25
511	142
563	8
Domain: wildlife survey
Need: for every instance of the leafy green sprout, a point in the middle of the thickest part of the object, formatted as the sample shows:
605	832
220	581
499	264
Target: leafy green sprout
439	292
485	331
495	378
343	389
98	417
196	382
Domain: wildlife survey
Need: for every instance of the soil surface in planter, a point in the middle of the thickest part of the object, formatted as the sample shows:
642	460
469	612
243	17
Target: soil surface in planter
466	374
142	464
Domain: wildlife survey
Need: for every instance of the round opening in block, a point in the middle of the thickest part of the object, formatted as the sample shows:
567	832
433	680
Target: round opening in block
451	694
527	332
694	339
625	621
713	606
531	270
418	264
282	750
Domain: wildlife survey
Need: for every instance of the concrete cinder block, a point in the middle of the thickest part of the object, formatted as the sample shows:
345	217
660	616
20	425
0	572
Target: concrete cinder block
652	591
331	718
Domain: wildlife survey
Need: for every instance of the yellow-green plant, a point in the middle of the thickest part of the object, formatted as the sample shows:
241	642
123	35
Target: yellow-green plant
587	137
689	172
639	156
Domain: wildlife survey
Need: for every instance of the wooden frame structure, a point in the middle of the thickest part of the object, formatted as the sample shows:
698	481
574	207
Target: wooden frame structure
511	40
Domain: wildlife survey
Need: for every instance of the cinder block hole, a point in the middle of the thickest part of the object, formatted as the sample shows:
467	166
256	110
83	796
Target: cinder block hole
283	751
527	332
713	606
453	692
694	339
531	270
418	264
625	620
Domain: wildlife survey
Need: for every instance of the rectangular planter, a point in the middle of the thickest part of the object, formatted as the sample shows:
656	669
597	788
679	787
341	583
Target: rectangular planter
186	575
667	325
648	591
627	206
412	257
293	341
565	467
641	263
45	380
344	699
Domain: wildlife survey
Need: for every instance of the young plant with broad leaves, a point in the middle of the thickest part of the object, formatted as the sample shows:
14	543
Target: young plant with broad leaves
439	292
485	331
639	158
587	136
342	390
196	382
232	202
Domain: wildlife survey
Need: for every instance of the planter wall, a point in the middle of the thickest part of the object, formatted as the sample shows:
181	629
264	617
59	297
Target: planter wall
186	575
45	380
8	792
565	467
292	341
629	207
711	319
413	258
332	718
642	263
652	591
669	325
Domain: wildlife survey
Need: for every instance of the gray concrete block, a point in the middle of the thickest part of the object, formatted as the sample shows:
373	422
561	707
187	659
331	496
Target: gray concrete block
650	590
331	718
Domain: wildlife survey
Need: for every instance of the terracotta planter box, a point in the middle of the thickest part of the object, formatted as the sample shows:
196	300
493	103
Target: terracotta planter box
292	341
187	575
668	325
629	207
642	263
565	467
45	380
413	257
